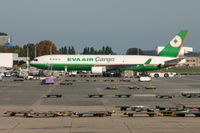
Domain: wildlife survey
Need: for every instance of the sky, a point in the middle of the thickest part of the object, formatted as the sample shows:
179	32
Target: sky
120	24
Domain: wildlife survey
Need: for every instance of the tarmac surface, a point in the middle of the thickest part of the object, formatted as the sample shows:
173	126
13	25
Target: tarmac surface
30	94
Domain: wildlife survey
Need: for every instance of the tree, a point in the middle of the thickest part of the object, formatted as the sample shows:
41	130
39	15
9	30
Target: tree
63	50
3	49
134	51
17	49
46	47
108	50
67	50
72	50
3	34
105	50
92	50
86	50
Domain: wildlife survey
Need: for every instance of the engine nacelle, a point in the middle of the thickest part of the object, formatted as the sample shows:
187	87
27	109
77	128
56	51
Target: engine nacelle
98	69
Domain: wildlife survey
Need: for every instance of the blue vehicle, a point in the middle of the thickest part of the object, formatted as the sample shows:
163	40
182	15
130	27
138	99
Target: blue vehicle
48	81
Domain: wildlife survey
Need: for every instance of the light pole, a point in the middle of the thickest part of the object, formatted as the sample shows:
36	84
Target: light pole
35	51
50	50
27	55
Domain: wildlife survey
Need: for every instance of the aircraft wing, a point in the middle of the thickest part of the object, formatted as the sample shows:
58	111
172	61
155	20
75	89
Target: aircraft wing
114	67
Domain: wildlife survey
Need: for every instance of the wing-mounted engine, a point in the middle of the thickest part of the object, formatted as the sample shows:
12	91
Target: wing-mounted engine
98	69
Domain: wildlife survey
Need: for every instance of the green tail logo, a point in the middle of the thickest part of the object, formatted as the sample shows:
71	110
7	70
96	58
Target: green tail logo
174	46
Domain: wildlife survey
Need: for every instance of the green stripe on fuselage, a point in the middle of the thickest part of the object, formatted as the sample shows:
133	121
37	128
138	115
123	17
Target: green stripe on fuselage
63	66
148	67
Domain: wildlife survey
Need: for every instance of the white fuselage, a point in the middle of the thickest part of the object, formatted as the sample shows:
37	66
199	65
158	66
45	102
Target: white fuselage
100	59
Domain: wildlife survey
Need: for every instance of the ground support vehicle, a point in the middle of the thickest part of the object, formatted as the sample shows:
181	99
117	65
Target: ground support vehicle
123	95
190	94
95	95
165	96
94	114
48	81
29	77
53	96
144	79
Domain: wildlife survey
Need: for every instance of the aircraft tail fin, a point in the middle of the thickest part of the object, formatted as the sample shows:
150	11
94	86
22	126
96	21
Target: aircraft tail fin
173	48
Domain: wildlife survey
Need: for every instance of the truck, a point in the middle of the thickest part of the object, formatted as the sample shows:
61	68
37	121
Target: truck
162	74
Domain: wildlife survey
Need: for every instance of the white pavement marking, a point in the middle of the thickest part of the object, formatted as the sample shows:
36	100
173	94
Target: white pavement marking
42	98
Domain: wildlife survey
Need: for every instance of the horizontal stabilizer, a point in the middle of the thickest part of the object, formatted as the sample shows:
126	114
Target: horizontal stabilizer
174	61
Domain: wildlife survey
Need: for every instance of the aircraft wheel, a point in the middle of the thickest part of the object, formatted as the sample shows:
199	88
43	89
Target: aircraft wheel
156	75
166	75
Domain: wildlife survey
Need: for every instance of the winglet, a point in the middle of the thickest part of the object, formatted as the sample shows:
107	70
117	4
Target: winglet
148	61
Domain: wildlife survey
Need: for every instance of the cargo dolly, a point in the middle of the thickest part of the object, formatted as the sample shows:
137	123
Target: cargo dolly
150	113
15	113
40	114
165	96
190	94
95	95
181	113
123	108
184	113
150	87
18	79
135	108
112	87
134	87
93	114
123	95
53	96
63	83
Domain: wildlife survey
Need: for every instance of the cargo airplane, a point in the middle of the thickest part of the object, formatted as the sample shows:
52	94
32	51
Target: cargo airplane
169	56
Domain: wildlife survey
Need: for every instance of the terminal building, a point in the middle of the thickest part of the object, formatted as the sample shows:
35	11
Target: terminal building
192	61
8	60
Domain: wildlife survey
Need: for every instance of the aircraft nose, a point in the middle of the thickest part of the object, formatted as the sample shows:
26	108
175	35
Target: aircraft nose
32	63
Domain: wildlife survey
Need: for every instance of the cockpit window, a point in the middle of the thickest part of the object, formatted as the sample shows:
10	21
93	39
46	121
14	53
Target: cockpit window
35	60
